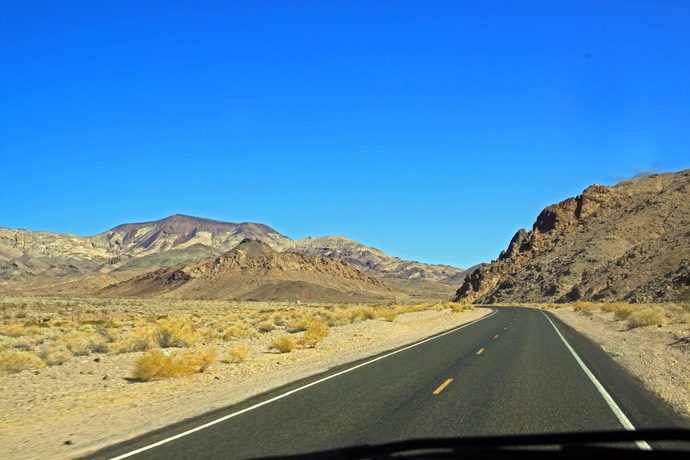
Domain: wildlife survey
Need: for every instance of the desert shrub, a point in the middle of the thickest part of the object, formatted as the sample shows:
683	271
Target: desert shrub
607	307
82	343
389	314
681	317
460	307
298	325
677	314
22	343
140	338
584	306
417	307
201	359
239	331
646	318
237	353
363	313
280	319
157	364
283	344
12	361
623	313
339	318
55	355
175	332
13	330
111	334
314	334
266	326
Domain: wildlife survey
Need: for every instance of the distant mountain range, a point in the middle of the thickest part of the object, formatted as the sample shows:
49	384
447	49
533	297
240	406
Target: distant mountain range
34	262
627	242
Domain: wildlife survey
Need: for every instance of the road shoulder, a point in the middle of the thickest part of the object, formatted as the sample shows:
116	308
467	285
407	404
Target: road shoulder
652	354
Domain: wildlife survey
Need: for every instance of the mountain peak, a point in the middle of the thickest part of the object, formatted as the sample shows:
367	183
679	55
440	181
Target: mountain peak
180	230
253	247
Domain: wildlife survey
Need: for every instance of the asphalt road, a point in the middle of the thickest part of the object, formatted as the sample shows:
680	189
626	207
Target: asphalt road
509	373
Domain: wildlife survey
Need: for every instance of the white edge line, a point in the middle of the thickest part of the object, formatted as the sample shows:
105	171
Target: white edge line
284	395
627	424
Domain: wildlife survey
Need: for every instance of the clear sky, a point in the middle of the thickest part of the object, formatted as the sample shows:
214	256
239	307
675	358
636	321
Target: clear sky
432	130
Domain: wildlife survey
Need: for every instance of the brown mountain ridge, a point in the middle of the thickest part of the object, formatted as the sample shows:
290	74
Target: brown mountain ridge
254	271
627	242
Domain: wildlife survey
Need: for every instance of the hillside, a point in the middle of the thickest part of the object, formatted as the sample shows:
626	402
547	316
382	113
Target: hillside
371	260
180	231
628	242
45	263
29	255
253	271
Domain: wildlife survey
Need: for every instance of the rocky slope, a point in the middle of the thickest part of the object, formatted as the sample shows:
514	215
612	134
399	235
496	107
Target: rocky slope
626	242
371	260
180	231
254	271
27	255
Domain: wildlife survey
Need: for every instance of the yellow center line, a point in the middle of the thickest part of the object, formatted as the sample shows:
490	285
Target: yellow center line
443	386
496	336
481	350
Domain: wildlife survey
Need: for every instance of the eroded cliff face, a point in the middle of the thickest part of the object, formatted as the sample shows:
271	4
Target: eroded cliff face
626	242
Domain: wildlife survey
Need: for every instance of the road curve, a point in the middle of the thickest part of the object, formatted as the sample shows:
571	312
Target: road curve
513	372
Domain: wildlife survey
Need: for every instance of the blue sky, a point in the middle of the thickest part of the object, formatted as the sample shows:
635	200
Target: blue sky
432	130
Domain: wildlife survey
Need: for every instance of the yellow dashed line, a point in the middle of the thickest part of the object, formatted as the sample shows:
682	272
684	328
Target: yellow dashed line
481	350
443	386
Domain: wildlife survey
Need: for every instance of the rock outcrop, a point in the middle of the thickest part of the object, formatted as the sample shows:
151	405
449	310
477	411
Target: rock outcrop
626	242
253	271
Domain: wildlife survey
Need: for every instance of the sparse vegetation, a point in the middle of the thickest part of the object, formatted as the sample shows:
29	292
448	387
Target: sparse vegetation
646	317
635	315
389	314
584	306
239	330
283	344
314	334
53	331
175	332
159	364
15	361
266	326
236	353
622	313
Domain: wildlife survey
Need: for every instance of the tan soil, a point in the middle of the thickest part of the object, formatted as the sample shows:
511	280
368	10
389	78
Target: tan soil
86	404
658	356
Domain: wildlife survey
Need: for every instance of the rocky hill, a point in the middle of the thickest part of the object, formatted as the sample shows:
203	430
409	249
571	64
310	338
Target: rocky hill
44	262
254	271
180	231
626	242
371	260
29	258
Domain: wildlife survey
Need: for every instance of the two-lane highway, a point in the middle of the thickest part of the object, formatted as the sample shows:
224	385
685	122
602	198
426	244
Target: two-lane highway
515	371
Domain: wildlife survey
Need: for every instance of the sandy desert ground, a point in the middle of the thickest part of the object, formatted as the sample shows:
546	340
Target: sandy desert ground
90	401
